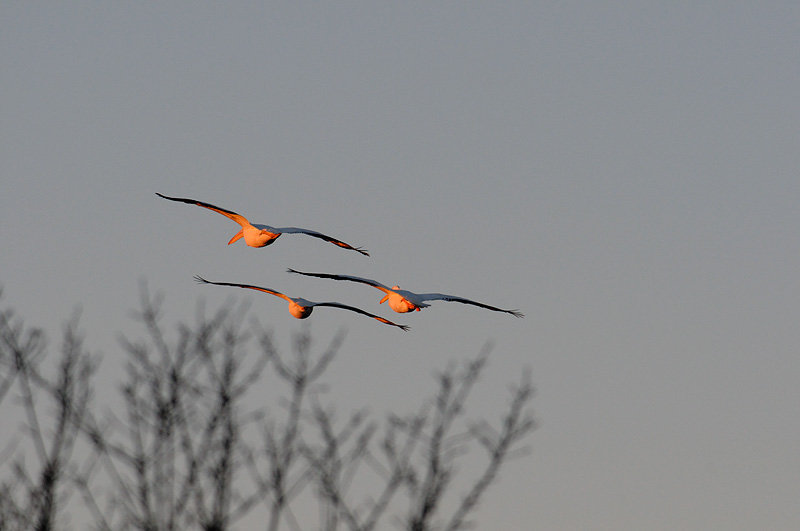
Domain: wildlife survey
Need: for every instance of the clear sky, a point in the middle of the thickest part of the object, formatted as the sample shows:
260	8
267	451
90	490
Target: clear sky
624	173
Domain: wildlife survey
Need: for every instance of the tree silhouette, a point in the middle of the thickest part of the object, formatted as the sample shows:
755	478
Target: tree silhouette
32	494
193	447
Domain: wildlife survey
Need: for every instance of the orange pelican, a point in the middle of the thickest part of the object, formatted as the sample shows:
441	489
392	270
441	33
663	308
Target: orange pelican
256	235
403	301
302	308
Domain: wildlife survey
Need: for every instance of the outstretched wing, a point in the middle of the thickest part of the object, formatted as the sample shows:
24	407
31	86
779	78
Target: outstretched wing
238	218
362	312
462	300
201	280
315	234
368	282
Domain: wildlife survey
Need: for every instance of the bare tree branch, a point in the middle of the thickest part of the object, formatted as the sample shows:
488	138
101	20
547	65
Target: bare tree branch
187	450
68	394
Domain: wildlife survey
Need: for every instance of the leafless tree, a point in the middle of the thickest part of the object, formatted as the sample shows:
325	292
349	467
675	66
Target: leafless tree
284	474
417	455
193	446
33	494
174	457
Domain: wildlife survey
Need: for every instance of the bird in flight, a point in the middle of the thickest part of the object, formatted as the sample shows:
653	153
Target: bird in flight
403	301
299	307
256	235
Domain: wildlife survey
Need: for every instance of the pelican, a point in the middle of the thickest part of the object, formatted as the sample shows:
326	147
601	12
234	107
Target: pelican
256	235
298	307
403	301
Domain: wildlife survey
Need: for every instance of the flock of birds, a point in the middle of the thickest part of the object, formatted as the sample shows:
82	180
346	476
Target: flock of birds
258	235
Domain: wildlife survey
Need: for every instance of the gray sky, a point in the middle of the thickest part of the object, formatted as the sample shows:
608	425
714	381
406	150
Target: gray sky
625	173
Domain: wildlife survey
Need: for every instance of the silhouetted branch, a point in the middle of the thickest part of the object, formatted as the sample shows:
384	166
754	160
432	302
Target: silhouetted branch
517	423
186	451
282	449
418	452
175	455
52	443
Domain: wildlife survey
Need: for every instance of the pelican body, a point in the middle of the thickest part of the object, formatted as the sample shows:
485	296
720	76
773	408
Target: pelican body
403	301
299	307
258	235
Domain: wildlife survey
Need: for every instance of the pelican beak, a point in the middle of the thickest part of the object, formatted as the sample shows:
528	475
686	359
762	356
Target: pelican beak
237	236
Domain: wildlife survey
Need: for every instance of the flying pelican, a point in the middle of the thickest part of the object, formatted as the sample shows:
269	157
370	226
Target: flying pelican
301	308
403	301
256	235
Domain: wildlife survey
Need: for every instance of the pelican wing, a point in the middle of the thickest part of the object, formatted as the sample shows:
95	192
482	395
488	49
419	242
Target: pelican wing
362	312
238	218
201	280
462	300
373	283
315	234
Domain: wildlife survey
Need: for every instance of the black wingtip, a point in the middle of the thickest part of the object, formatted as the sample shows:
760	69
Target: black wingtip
177	199
201	280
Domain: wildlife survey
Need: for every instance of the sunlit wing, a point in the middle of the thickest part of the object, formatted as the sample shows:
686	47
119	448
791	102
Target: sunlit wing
362	312
462	300
373	283
238	218
246	286
315	234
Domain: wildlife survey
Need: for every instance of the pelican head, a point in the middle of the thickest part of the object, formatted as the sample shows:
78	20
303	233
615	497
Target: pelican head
399	303
300	312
